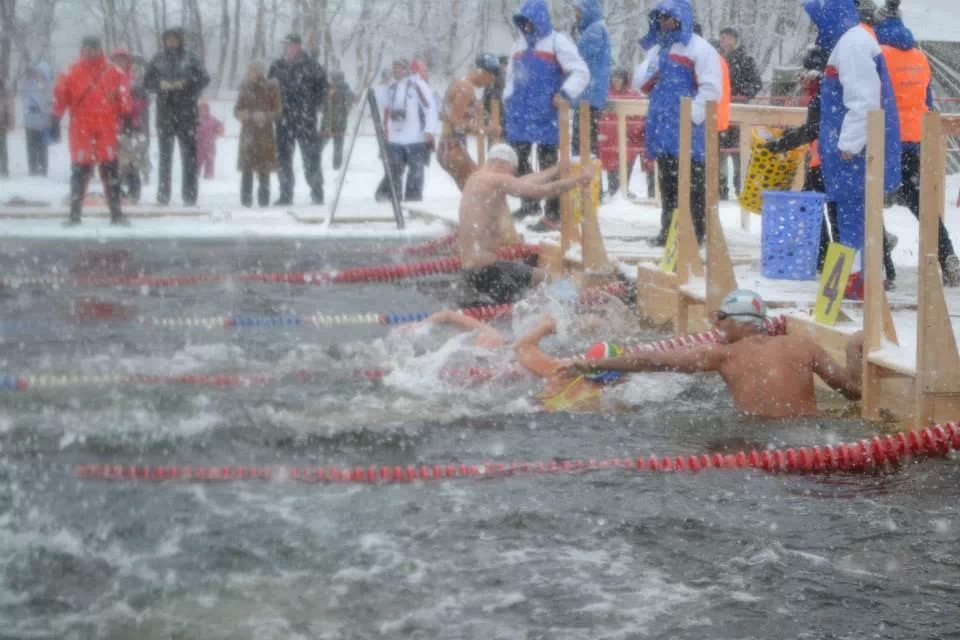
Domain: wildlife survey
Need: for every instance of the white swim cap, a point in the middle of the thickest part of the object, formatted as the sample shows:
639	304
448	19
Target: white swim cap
746	306
504	153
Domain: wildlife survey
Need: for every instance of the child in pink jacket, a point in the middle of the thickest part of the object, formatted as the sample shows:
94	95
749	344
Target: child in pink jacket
208	130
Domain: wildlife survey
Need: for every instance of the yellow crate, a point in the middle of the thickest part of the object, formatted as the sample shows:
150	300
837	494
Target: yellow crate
768	171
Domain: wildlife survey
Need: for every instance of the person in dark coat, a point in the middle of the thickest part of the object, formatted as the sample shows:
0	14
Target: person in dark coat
258	107
495	92
745	84
339	100
6	124
177	77
303	85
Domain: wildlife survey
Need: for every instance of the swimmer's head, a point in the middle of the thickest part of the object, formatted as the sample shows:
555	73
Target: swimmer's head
741	309
504	153
599	351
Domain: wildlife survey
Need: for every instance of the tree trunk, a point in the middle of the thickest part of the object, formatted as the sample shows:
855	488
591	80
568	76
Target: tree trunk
235	55
8	14
259	45
448	68
224	43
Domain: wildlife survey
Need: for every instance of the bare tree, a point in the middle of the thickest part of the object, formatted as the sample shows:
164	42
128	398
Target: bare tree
8	14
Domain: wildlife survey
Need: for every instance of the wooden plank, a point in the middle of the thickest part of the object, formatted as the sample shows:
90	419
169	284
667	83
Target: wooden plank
569	230
551	258
746	144
629	106
13	213
688	253
873	264
481	119
495	118
423	214
766	116
720	277
597	269
657	296
951	125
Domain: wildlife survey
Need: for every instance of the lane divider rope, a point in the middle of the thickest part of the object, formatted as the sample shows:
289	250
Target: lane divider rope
862	456
387	273
475	374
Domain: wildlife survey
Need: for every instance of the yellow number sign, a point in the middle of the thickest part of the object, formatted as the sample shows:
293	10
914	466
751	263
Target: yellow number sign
833	283
576	195
668	262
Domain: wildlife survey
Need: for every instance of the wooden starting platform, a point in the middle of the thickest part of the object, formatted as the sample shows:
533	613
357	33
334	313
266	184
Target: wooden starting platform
134	212
920	385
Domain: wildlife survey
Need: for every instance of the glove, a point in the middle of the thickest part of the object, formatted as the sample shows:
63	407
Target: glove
259	117
166	85
179	84
55	130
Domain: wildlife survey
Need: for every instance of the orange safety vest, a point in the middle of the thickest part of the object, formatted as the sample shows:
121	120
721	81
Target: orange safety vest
910	75
723	107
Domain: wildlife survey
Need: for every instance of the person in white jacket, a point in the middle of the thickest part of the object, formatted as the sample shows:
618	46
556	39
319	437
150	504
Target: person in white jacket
545	68
411	124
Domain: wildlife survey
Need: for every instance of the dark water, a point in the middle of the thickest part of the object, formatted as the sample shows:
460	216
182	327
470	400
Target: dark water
608	554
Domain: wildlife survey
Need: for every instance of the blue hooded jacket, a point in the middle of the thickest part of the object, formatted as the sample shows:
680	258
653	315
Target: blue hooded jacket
537	77
594	47
676	79
891	32
846	179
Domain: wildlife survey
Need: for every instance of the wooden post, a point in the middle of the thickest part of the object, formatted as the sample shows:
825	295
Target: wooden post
938	361
720	277
877	319
481	136
596	264
688	253
569	230
746	146
622	150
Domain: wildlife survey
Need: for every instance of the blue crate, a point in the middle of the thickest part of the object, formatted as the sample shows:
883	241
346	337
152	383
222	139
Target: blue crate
790	241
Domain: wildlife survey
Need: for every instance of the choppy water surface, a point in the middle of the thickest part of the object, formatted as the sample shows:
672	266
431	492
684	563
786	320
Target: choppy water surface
607	554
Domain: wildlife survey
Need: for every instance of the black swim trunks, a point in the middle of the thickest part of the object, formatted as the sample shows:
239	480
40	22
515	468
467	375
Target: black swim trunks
502	281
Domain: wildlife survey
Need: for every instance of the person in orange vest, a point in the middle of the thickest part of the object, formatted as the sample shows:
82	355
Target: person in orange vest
97	94
911	76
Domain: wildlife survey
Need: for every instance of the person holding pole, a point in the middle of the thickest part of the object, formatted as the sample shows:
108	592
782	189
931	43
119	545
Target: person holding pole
683	65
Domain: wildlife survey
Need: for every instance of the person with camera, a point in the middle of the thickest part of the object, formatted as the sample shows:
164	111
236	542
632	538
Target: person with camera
412	121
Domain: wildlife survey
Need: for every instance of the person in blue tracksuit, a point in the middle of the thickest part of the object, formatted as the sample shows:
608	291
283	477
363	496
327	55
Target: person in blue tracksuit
855	82
682	65
545	68
593	43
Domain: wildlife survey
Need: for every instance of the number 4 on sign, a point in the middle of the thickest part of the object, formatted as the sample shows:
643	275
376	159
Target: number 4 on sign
668	262
833	283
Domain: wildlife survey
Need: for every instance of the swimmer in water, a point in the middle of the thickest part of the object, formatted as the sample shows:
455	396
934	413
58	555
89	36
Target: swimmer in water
768	376
565	389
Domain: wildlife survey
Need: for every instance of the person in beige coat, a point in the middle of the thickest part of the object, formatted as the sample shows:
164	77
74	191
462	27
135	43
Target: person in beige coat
258	107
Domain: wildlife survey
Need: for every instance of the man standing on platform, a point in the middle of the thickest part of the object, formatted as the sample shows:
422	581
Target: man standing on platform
682	65
855	82
545	69
96	93
745	84
303	86
593	44
177	77
912	85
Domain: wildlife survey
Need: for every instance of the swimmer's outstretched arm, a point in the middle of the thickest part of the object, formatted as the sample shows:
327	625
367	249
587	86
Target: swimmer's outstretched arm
701	359
466	323
533	189
531	356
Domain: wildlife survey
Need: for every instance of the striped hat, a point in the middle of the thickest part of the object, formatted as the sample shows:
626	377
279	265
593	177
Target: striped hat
599	351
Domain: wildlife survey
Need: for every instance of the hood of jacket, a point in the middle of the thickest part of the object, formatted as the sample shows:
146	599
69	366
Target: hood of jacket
679	10
591	12
175	32
833	18
538	13
43	69
894	33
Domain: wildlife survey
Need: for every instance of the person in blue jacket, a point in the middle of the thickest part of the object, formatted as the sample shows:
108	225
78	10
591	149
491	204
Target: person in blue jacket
37	95
855	82
593	43
682	65
545	68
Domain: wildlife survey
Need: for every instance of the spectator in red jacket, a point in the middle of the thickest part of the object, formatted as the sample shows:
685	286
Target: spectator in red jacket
95	92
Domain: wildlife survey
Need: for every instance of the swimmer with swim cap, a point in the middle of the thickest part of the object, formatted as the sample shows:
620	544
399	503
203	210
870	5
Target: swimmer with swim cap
768	376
